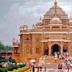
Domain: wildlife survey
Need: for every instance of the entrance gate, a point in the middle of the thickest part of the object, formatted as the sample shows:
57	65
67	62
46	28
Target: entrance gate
55	48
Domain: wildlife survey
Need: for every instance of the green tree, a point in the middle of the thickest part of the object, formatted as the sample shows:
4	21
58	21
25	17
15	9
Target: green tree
1	46
7	47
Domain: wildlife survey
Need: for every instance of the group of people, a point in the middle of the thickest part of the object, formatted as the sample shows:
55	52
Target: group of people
61	56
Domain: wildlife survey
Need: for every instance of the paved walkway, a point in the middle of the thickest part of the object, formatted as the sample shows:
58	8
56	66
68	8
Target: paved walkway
53	70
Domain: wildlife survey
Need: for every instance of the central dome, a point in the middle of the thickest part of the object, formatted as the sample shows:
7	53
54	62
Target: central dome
55	20
55	10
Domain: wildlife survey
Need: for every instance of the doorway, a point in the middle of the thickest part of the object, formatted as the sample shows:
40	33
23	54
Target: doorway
55	48
46	51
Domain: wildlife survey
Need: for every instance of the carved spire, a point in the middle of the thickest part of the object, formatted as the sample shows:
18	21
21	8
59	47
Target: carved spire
55	2
40	18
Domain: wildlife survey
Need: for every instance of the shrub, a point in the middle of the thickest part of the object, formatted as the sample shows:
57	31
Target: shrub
0	66
22	69
11	67
3	70
3	60
22	65
12	60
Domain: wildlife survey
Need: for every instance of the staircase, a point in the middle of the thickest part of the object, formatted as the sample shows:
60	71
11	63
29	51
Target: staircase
52	62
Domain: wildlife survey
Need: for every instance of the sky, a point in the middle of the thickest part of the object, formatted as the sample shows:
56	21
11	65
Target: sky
14	13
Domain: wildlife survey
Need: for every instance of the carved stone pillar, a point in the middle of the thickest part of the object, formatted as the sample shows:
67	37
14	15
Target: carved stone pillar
49	49
61	47
33	45
42	48
69	49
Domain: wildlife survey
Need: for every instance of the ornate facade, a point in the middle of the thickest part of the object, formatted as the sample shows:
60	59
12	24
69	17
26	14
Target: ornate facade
52	33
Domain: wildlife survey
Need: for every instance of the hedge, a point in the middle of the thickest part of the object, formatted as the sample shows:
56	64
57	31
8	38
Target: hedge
11	67
23	69
3	70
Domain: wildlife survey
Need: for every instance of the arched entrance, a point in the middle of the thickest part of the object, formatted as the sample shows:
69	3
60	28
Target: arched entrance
55	48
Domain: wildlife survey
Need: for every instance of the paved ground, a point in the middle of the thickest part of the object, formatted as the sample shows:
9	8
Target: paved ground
53	70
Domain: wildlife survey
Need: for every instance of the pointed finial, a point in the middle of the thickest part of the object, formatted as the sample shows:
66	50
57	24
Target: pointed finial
40	18
55	2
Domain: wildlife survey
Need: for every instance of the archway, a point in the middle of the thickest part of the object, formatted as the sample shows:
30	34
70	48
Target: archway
65	50
55	48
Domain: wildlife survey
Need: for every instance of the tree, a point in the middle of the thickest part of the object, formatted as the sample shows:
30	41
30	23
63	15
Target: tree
1	46
7	47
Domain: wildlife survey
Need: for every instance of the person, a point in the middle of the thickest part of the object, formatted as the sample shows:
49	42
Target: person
40	69
33	69
55	54
58	54
60	66
62	56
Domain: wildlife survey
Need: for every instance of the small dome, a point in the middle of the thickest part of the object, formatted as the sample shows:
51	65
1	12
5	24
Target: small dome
33	26
39	23
24	27
55	20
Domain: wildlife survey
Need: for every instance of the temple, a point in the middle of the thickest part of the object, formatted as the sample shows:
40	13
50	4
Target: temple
52	33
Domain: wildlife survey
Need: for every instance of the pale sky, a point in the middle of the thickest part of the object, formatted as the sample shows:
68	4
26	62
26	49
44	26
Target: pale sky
14	13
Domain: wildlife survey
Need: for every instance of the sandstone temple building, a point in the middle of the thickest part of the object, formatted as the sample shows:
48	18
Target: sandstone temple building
52	33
